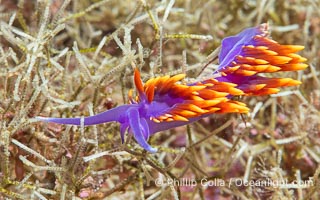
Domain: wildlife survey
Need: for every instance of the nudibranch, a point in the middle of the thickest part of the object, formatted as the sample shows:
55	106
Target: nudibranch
167	102
251	52
163	103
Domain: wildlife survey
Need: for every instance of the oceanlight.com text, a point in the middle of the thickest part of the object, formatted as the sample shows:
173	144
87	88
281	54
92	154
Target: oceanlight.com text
238	182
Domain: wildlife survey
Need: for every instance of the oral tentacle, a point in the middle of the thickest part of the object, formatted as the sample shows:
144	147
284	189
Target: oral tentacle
123	128
145	128
135	125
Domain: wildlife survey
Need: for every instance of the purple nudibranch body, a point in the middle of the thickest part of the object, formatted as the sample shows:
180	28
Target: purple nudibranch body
163	103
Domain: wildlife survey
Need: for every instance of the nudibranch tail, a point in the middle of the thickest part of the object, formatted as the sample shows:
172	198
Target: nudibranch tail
252	52
115	114
70	121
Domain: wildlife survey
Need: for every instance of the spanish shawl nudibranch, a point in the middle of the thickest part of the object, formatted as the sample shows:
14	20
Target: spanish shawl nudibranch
165	102
251	52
